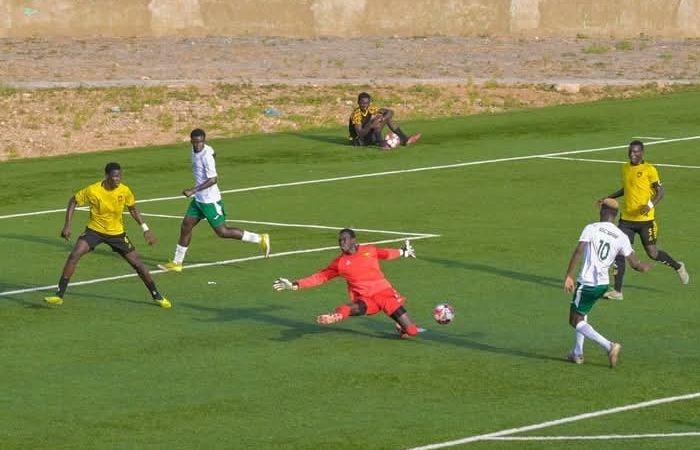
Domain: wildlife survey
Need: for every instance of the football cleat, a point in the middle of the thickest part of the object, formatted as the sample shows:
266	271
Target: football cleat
614	353
327	319
163	302
54	300
171	266
574	358
683	274
265	244
613	295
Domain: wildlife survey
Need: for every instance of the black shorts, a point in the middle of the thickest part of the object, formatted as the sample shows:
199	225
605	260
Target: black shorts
374	138
646	230
120	243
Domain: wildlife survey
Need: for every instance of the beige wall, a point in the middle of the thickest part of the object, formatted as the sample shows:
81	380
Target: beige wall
349	18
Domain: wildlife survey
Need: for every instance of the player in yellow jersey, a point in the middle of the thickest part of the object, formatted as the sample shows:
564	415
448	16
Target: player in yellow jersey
367	121
106	200
643	191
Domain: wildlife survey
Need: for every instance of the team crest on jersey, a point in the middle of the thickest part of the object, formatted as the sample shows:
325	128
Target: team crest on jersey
120	198
639	174
366	254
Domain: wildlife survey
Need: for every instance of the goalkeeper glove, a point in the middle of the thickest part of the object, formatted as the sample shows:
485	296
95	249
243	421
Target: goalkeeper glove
282	284
407	251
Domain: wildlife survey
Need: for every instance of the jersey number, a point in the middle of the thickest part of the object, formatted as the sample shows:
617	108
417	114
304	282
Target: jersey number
603	250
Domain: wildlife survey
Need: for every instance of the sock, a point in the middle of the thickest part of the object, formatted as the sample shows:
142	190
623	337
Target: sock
153	289
411	330
619	272
343	310
250	237
588	331
62	286
578	344
180	252
402	136
665	258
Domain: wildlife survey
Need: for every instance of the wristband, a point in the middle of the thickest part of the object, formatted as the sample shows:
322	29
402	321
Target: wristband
650	204
144	227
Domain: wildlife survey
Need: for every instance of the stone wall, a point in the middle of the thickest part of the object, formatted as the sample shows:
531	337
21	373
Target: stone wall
349	18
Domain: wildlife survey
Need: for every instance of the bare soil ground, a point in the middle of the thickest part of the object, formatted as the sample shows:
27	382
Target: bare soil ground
74	95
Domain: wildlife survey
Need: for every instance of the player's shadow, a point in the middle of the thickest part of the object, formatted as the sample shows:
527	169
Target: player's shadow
512	274
464	340
269	314
327	138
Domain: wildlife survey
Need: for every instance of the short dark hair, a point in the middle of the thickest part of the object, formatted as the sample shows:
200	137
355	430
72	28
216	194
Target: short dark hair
197	132
348	231
364	95
638	143
112	166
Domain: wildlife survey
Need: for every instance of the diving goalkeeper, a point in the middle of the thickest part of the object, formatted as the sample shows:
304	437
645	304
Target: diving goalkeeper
368	289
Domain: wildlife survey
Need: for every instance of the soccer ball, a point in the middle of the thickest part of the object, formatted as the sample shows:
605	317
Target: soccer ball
392	140
443	313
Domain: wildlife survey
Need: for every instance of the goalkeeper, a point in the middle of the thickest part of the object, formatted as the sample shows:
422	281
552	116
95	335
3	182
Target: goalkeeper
368	289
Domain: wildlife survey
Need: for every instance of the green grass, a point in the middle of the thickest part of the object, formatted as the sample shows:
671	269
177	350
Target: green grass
234	365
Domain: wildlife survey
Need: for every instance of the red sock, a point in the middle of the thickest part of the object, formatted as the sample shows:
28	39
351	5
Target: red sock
412	330
343	310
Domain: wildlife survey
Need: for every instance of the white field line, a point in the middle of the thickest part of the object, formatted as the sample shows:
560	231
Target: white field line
300	225
209	264
552	423
603	437
390	172
616	162
647	137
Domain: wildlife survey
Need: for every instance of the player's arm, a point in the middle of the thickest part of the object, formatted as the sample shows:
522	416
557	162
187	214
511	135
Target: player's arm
407	251
315	279
658	195
573	262
209	182
147	233
636	264
386	113
618	193
70	210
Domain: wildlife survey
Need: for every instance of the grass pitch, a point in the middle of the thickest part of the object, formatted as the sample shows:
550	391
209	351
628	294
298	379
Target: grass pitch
234	365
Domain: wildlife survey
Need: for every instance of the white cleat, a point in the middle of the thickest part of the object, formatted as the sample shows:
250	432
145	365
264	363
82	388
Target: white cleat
613	295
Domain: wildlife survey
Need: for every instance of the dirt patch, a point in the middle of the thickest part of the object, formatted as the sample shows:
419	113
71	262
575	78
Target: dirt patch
71	95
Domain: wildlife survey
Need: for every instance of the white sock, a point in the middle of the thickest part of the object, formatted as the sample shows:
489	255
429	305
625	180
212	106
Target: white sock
180	252
250	237
578	344
588	331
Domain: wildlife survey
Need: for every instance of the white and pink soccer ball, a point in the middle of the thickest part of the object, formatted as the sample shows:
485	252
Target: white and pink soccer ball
443	313
392	140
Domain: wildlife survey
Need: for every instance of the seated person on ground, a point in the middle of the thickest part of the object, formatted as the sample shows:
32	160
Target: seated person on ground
367	121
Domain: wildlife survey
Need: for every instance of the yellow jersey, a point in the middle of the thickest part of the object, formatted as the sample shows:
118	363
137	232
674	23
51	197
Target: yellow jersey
637	182
106	207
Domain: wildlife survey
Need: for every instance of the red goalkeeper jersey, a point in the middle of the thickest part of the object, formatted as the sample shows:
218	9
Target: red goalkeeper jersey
361	271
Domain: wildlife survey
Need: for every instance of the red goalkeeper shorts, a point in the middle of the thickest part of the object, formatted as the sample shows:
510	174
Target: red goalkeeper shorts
388	300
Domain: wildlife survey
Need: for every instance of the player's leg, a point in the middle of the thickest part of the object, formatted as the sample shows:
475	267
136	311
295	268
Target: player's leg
406	326
393	126
191	219
132	257
649	236
581	304
342	312
216	216
81	247
620	265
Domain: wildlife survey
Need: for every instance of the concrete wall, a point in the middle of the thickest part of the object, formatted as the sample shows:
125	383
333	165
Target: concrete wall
349	18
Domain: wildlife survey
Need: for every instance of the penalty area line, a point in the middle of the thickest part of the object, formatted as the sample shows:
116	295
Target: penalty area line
602	437
680	166
389	172
209	264
301	225
552	423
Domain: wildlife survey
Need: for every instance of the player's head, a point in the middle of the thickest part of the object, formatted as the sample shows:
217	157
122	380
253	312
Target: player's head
197	137
608	210
113	174
635	151
363	100
347	241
